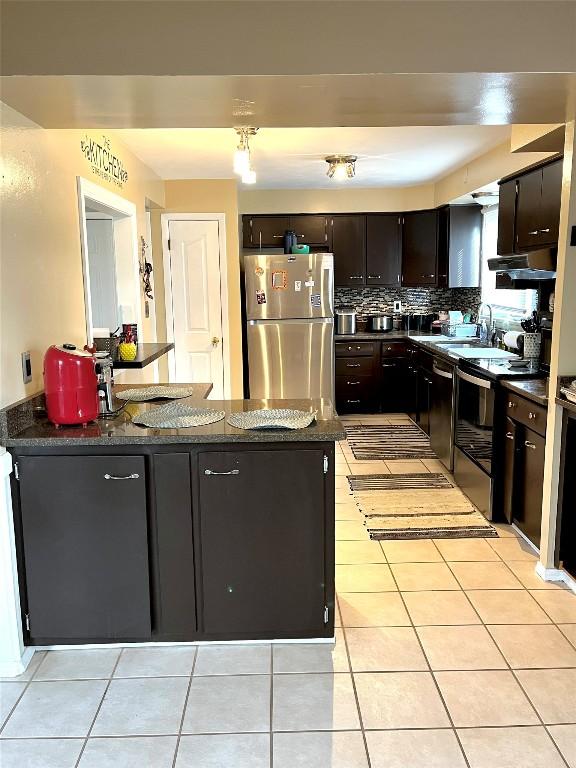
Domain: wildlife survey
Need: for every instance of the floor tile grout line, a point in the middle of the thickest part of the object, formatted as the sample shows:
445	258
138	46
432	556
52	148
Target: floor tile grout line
448	714
77	763
357	700
186	697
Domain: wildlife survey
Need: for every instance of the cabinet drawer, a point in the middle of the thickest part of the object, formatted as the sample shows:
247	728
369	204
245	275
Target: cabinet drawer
393	348
526	412
355	348
349	366
353	385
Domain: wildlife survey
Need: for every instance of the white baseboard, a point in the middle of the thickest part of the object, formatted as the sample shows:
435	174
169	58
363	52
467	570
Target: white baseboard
555	574
15	668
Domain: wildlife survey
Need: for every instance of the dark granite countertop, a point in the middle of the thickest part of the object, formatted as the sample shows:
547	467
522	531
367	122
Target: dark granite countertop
535	390
424	339
565	381
122	431
146	353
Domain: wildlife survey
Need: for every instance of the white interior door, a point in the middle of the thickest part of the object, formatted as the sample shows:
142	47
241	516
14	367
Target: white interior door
196	303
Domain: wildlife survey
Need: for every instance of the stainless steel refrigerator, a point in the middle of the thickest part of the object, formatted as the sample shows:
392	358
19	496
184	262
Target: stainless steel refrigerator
290	325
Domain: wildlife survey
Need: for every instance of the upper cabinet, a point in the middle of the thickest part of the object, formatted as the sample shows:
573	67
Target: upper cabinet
420	249
529	210
460	239
349	249
507	216
268	231
383	249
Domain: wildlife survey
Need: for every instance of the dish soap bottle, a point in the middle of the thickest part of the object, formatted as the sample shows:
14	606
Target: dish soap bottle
127	348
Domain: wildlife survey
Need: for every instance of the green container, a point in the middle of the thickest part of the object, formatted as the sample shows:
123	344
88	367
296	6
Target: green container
300	249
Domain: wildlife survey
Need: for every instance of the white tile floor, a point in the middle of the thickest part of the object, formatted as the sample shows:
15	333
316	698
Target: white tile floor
451	654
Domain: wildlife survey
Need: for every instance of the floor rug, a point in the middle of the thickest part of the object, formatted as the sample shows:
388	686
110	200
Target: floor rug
417	506
388	442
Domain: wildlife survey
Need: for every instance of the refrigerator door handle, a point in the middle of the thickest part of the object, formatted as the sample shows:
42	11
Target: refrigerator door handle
292	321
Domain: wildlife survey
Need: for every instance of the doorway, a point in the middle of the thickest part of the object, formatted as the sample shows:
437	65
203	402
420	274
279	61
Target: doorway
196	299
109	260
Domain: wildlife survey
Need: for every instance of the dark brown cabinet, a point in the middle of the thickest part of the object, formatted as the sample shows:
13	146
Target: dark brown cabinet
349	249
264	231
311	229
383	249
507	217
356	381
420	248
522	476
85	540
262	557
268	231
537	209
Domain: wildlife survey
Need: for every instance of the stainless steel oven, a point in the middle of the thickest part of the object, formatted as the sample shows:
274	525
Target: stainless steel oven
473	438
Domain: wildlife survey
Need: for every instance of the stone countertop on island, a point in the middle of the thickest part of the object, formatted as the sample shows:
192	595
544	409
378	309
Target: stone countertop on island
121	430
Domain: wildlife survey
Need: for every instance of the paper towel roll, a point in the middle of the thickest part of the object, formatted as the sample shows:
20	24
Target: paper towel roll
512	339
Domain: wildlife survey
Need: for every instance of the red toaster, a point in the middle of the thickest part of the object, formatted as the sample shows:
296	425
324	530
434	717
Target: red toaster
70	385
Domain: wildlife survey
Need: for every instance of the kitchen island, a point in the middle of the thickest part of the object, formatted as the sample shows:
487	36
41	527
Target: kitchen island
129	534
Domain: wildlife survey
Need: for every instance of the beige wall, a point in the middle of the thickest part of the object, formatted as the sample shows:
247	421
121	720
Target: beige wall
335	200
213	196
491	166
41	284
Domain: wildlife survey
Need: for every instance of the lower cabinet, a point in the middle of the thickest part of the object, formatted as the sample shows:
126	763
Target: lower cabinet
261	556
85	542
394	382
523	467
210	541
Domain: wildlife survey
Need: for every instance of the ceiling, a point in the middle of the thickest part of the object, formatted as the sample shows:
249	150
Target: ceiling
292	158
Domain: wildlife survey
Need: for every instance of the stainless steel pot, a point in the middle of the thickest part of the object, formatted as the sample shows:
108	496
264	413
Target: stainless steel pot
380	322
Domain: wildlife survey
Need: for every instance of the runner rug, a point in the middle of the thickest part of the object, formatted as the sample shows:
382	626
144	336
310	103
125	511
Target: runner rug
388	441
417	506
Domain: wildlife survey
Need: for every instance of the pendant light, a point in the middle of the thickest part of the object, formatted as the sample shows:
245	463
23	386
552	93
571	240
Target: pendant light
242	165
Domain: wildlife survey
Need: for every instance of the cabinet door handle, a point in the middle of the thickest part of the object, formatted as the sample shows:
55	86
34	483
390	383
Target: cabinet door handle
374	277
352	365
352	401
276	237
509	436
511	404
352	382
388	365
532	416
432	275
355	277
133	476
231	472
546	229
534	232
530	445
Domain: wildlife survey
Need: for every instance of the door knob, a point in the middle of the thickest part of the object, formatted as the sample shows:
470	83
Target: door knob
215	341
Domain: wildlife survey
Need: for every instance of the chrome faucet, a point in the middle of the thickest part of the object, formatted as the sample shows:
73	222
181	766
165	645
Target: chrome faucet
486	335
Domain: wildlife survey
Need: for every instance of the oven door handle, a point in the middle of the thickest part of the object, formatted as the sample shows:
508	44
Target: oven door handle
484	383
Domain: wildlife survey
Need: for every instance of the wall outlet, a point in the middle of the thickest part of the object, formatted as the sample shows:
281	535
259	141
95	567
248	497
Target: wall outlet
26	368
397	306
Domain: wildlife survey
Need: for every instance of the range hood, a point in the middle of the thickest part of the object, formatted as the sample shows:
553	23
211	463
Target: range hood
532	265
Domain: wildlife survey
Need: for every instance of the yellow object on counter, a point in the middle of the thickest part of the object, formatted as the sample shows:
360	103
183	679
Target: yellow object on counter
127	351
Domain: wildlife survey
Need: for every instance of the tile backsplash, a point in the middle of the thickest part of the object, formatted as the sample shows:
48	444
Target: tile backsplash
373	300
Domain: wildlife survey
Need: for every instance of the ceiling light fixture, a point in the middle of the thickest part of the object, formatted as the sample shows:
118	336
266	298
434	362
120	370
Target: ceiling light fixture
242	164
341	167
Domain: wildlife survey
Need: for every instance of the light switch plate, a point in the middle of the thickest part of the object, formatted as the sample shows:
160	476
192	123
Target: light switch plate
26	368
397	306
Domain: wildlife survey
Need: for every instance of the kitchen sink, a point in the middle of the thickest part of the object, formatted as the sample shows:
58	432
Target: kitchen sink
464	345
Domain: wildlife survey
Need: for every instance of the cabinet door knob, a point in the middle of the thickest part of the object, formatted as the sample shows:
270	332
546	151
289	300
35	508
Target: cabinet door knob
530	445
532	415
511	404
133	476
231	472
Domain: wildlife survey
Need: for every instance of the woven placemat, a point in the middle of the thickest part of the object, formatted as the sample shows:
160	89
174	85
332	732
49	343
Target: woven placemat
272	418
143	394
177	416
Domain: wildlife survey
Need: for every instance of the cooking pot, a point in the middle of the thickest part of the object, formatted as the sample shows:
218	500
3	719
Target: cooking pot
380	322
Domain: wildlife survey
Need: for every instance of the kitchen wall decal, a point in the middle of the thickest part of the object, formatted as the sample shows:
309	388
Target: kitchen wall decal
104	162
